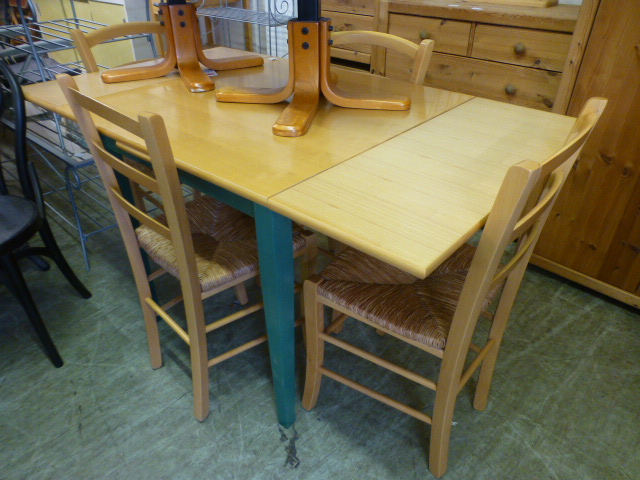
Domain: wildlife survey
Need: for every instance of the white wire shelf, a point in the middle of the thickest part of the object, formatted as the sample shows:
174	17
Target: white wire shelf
268	18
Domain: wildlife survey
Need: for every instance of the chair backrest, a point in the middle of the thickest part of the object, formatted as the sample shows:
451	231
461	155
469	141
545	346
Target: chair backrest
13	114
163	182
421	54
84	42
514	218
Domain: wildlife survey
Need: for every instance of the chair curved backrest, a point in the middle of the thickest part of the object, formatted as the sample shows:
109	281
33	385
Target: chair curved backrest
439	314
208	246
26	212
84	42
13	110
421	54
515	217
162	181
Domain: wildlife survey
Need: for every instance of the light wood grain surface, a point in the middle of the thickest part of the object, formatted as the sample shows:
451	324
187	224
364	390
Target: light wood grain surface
407	187
416	198
231	145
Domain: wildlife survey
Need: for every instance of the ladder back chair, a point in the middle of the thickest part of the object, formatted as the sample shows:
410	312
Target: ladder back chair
85	42
209	246
439	314
421	54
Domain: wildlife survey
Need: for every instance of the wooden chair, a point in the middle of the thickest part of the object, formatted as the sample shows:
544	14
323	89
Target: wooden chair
421	54
208	245
84	42
439	314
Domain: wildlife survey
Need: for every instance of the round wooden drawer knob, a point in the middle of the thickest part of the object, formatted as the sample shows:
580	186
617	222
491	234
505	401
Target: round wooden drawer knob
519	48
424	35
510	89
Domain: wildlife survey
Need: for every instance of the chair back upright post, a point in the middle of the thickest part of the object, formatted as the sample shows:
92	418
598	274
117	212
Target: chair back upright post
152	145
28	178
157	150
84	42
439	314
12	98
515	216
420	54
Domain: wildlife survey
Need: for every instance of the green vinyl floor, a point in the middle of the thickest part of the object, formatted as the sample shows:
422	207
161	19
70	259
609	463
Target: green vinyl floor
565	402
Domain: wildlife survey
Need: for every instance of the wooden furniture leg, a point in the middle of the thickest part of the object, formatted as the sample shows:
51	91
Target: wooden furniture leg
184	50
309	77
304	45
184	24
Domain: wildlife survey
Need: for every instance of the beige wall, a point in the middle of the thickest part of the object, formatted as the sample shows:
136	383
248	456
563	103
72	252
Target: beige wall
105	13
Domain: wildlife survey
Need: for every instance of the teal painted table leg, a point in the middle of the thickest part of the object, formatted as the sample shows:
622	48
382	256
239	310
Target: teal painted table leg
275	249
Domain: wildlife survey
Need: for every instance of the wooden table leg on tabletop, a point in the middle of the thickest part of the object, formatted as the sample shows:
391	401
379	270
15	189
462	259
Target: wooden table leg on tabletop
184	50
309	77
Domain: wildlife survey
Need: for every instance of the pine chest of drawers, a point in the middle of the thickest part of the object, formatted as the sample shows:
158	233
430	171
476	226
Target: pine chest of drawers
508	53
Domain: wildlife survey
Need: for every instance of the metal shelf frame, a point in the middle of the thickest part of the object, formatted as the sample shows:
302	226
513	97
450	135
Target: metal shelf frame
55	141
268	14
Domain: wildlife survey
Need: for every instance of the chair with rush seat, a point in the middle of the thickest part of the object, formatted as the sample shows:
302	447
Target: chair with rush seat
22	217
421	54
439	314
209	246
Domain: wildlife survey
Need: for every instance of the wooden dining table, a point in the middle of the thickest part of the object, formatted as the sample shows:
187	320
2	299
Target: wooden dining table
408	187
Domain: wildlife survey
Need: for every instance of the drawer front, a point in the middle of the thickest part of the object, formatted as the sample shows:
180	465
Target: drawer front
344	22
449	36
363	7
508	83
521	46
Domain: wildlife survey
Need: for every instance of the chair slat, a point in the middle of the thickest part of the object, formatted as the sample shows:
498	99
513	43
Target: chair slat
141	216
106	112
128	171
378	396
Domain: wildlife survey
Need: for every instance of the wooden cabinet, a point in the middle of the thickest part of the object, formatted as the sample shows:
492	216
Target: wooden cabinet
351	15
522	55
593	234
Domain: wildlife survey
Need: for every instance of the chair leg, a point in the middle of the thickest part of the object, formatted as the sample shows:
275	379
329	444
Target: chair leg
153	334
199	354
314	325
308	268
241	294
335	314
446	395
310	258
498	327
57	256
19	287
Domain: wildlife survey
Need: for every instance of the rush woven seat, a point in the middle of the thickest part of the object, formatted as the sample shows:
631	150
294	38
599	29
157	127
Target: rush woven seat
439	314
207	245
224	241
419	309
